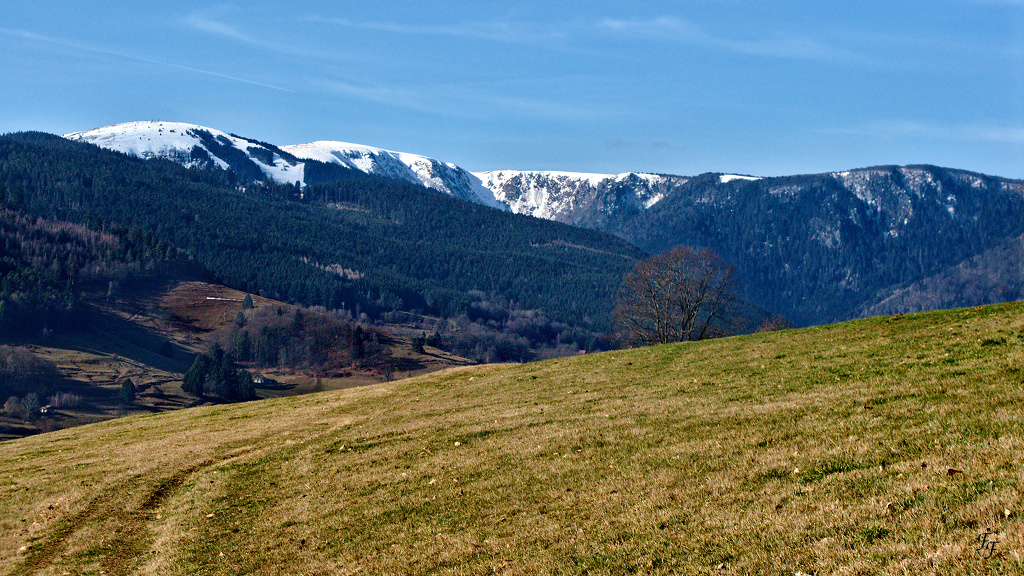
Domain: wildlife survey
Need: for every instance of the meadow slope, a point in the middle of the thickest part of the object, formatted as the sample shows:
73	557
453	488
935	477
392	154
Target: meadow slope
879	446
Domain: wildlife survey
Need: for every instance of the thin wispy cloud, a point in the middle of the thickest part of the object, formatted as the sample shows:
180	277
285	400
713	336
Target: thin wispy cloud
86	48
206	24
505	32
450	100
471	100
678	30
544	109
962	132
667	29
216	27
408	99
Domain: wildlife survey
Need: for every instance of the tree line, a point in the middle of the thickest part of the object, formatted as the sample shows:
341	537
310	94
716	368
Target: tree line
312	340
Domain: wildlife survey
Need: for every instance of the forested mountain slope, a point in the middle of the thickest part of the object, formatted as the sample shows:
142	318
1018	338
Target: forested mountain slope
814	248
373	244
818	248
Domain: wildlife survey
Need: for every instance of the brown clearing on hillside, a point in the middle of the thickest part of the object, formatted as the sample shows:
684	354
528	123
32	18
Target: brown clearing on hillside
126	341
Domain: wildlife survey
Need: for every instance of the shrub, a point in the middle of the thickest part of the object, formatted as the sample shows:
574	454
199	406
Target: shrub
13	406
417	344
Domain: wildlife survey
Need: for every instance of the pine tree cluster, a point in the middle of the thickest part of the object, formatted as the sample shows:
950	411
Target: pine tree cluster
217	374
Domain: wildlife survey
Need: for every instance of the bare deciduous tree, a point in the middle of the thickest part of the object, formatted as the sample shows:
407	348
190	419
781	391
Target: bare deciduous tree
679	295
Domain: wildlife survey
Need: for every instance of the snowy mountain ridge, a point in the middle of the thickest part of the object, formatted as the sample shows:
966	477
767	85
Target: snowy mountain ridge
815	248
193	146
441	176
602	201
552	195
560	195
197	146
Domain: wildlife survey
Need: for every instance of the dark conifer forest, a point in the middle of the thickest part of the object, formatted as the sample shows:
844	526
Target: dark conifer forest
809	248
370	246
46	265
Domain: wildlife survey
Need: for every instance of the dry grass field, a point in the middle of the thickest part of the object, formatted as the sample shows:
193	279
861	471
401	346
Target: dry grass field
881	446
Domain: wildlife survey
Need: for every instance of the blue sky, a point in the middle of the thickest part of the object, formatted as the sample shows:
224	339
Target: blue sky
682	87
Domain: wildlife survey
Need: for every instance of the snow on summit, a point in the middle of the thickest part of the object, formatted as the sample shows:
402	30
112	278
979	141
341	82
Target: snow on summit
198	146
143	139
358	156
442	176
181	143
726	178
553	195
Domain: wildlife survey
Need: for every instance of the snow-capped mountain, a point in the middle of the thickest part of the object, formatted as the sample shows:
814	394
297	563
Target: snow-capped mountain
197	147
441	176
815	248
560	195
601	201
564	196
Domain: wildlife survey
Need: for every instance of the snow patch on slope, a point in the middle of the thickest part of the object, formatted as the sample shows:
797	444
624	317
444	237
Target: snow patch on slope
171	140
865	183
726	178
178	141
556	195
441	176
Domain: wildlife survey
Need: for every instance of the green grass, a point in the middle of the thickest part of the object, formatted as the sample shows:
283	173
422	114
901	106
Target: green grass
824	450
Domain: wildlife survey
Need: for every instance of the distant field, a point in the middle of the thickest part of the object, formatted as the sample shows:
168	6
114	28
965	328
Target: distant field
124	341
880	446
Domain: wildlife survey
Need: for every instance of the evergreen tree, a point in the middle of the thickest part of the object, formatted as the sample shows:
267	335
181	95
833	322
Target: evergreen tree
217	375
357	343
246	387
127	392
195	378
166	349
418	342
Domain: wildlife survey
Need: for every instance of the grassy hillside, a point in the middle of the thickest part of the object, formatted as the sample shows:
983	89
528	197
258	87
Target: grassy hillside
878	446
